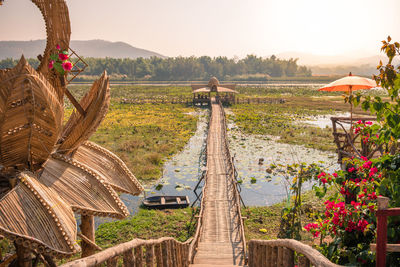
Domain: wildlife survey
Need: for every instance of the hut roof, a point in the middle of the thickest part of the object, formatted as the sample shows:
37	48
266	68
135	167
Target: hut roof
219	89
214	83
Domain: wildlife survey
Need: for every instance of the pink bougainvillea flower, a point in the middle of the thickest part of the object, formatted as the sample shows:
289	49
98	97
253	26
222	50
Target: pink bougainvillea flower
352	169
368	122
335	174
63	57
51	64
67	66
58	47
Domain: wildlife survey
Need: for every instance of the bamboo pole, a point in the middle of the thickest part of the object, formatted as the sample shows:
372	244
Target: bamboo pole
149	256
129	259
24	256
87	229
164	251
158	253
138	256
288	257
280	257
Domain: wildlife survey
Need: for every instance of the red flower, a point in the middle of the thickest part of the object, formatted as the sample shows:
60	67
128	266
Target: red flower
62	57
352	169
67	66
51	64
335	174
58	47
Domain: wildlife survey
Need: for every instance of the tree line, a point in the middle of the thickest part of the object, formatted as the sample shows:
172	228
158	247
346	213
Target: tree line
188	68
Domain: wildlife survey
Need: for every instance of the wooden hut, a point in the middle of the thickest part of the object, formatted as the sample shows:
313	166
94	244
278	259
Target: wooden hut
202	92
49	170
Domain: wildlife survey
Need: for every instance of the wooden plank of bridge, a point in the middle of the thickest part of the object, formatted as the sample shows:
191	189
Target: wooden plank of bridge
220	240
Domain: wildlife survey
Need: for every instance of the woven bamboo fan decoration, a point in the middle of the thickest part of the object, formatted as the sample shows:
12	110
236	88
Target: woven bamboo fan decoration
112	168
47	171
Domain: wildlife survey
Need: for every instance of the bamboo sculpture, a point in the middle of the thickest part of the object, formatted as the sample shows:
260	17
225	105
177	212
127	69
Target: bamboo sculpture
49	171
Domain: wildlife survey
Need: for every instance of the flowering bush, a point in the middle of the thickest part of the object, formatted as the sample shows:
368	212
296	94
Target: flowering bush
60	61
348	217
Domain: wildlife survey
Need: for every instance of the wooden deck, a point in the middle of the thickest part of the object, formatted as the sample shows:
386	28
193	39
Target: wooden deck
220	240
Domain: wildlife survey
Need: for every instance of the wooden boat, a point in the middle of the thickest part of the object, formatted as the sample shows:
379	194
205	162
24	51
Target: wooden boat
166	202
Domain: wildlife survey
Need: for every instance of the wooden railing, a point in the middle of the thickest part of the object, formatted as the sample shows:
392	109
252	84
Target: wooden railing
232	173
349	144
190	100
199	227
164	252
381	246
284	253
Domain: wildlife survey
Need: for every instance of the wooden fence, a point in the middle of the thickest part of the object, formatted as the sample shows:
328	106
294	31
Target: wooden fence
232	173
284	253
161	252
190	100
349	144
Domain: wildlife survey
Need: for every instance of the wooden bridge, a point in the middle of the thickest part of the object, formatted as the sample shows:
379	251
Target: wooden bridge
219	238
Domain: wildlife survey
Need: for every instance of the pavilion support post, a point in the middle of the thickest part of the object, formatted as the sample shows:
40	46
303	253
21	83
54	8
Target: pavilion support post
24	256
87	229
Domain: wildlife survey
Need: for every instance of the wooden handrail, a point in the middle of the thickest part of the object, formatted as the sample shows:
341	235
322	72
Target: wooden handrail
232	177
199	226
164	250
280	252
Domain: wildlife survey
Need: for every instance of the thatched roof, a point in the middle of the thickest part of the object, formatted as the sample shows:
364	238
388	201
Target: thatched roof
213	86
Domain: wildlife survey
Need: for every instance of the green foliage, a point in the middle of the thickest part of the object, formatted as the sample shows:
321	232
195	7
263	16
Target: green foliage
147	224
295	175
387	112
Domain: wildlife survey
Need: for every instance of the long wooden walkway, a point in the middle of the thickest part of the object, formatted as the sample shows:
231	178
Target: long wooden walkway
221	239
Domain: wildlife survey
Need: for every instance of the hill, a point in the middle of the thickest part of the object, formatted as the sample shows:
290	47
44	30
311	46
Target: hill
91	48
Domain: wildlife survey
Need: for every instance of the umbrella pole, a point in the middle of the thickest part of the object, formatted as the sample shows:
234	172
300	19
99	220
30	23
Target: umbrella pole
351	112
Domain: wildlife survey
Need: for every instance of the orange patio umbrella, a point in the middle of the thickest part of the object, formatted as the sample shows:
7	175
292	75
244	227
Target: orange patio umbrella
349	84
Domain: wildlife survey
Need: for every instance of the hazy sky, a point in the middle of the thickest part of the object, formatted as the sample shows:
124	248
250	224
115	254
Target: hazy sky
220	27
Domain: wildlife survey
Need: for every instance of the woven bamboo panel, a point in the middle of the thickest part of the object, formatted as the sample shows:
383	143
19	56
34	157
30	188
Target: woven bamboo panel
79	128
82	188
51	228
30	117
112	168
58	29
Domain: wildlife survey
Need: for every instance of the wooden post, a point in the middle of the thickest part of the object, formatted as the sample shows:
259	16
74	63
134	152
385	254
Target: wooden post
87	229
164	250
381	235
138	256
24	256
303	261
274	258
269	256
251	254
112	262
158	253
280	257
129	259
149	256
288	257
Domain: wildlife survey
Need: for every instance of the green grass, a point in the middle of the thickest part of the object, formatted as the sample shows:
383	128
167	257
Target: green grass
147	224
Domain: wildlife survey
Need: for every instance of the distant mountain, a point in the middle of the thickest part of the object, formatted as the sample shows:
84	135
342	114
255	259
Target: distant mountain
339	64
91	48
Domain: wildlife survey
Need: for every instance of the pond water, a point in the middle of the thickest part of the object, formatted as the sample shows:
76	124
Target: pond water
181	172
323	121
259	188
